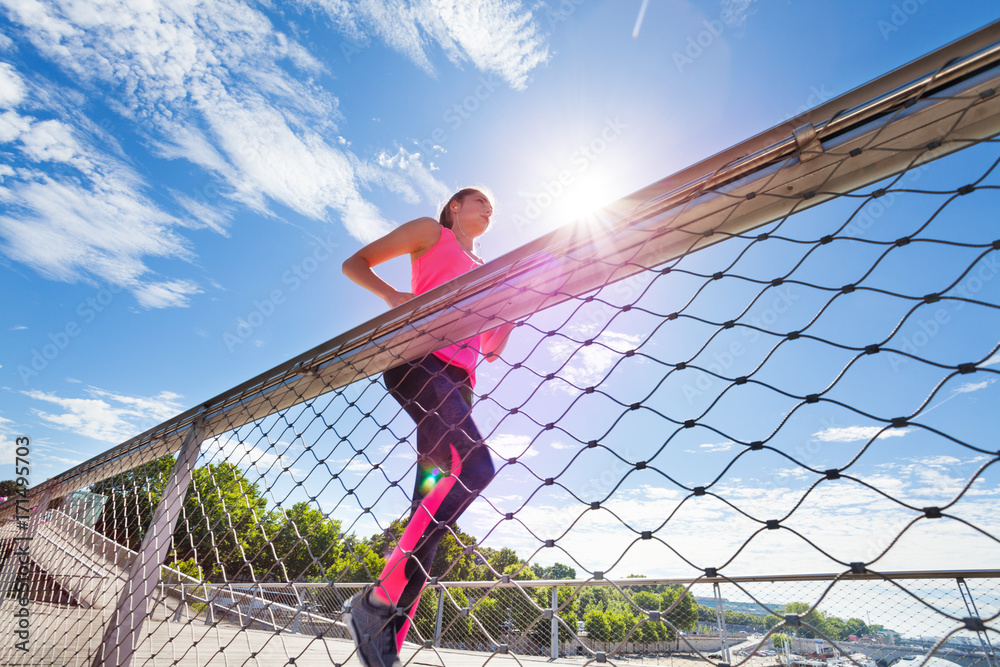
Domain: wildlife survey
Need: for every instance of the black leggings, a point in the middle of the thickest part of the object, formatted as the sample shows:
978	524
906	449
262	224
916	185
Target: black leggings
438	397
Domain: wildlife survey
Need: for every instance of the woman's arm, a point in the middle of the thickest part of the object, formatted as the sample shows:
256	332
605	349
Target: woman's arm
413	238
493	342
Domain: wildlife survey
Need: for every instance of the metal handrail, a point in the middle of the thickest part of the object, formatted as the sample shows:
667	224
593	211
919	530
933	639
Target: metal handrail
545	583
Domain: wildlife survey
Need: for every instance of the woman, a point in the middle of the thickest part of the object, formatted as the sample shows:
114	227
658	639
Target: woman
453	463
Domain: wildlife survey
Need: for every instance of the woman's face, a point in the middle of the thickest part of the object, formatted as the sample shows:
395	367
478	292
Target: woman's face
472	215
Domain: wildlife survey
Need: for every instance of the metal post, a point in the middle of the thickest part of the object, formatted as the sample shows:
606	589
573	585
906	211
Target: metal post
125	627
210	595
721	620
970	605
554	651
440	616
182	605
298	610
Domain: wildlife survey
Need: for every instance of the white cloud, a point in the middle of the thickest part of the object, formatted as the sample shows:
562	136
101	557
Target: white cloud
52	141
258	128
853	433
12	126
8	449
992	361
496	36
212	84
716	447
507	445
107	416
940	460
588	365
736	12
707	531
7	442
793	473
244	454
68	231
165	294
94	222
969	387
12	88
219	86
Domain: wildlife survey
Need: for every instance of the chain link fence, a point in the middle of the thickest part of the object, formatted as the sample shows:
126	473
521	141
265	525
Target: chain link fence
714	378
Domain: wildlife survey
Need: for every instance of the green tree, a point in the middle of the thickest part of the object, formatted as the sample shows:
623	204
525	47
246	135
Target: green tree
595	621
593	597
560	571
619	625
358	562
517	606
453	560
556	571
221	524
780	641
648	631
681	610
305	542
855	626
486	612
9	488
456	623
131	498
567	606
500	560
815	619
835	628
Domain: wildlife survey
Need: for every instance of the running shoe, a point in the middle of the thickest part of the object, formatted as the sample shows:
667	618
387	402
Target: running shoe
371	626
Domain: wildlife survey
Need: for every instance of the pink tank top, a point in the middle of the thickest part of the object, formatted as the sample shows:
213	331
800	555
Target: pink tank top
444	261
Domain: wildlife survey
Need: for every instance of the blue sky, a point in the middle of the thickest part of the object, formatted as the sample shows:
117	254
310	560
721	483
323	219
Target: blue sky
180	183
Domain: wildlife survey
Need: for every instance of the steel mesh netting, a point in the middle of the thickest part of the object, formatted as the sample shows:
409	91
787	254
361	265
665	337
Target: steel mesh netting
731	381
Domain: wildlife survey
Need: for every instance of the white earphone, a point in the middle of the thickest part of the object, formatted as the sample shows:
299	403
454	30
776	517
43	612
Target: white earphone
475	242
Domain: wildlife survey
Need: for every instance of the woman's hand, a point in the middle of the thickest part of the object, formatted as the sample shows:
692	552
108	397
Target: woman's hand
494	341
397	297
413	238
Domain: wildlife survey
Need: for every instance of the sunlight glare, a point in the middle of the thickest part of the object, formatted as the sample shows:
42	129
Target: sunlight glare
583	200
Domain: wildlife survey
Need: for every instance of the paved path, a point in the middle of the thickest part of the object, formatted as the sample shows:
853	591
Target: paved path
71	636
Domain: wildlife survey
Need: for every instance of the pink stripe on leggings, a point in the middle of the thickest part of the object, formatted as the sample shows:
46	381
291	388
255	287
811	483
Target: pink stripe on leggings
393	578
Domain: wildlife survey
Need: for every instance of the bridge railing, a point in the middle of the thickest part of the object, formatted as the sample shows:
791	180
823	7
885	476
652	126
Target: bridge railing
782	357
721	619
